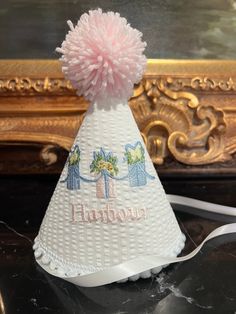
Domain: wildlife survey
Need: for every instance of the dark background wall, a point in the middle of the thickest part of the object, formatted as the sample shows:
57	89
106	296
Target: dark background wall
172	28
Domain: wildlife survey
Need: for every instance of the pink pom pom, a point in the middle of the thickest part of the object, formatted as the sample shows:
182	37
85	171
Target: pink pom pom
102	56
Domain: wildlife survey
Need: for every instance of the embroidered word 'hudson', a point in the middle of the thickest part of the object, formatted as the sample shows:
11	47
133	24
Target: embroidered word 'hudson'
106	215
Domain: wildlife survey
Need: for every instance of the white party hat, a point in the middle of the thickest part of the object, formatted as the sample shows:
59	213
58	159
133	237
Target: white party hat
109	206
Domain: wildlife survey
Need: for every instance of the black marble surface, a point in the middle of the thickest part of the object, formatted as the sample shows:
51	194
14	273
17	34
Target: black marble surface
205	284
203	29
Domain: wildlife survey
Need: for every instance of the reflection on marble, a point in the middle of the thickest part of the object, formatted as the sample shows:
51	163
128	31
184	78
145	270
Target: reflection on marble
173	29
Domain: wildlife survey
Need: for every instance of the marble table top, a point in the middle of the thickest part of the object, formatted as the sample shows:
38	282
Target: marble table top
205	284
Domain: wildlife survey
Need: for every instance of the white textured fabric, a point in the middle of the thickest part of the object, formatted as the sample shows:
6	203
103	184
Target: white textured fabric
71	247
140	265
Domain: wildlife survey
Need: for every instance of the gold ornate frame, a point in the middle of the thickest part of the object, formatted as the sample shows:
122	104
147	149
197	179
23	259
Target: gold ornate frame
186	110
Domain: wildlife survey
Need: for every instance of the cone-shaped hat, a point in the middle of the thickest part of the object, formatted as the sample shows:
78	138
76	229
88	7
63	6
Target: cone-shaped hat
109	206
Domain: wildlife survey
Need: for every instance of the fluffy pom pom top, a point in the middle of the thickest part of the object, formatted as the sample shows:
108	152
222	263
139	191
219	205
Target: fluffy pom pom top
102	56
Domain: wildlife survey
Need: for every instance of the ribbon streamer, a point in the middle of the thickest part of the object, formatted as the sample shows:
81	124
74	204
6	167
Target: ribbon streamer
202	205
144	263
140	264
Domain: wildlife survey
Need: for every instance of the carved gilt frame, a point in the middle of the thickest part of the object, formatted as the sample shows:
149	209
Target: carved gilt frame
186	110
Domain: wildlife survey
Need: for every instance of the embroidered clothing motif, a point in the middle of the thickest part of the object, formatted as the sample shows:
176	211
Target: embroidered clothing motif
105	166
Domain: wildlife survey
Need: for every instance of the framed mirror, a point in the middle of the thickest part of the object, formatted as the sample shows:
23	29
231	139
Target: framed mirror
185	105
